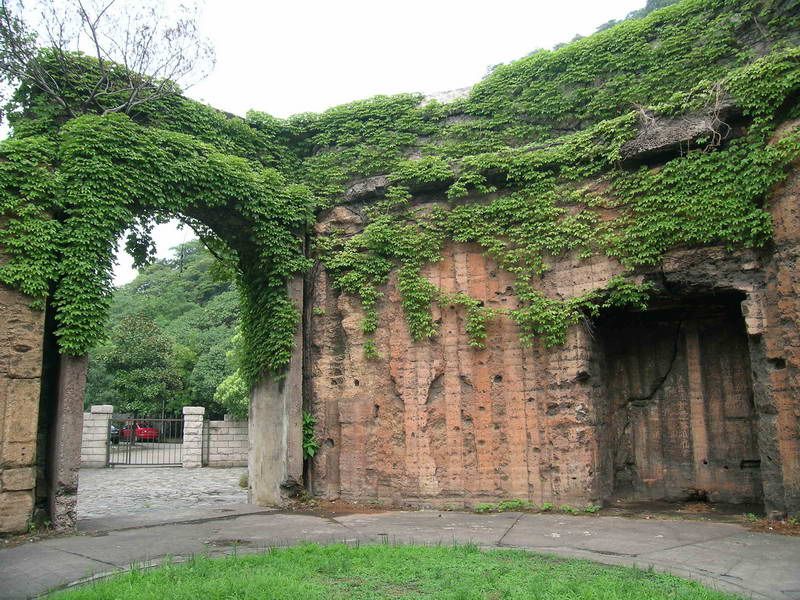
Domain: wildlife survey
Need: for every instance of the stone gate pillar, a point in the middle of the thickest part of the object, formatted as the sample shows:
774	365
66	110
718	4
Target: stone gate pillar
275	426
94	442
193	436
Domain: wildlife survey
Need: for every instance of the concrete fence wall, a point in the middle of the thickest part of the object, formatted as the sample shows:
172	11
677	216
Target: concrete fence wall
227	440
95	432
228	444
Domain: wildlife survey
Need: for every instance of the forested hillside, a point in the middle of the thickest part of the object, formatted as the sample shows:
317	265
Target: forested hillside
171	338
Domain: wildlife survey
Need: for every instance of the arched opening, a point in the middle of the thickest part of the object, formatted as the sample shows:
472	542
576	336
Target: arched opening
171	342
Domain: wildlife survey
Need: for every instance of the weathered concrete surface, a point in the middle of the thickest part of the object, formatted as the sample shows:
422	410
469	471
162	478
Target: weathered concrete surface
724	556
276	412
20	370
65	442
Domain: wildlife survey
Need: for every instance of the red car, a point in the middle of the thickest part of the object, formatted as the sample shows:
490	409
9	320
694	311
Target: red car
142	432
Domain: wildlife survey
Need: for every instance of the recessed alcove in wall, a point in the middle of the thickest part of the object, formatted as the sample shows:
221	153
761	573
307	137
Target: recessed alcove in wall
676	403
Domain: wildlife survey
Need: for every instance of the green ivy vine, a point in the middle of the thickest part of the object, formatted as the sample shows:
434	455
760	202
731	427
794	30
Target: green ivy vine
527	166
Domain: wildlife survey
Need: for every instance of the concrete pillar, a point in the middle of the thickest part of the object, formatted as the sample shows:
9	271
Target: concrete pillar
276	426
65	457
193	436
94	443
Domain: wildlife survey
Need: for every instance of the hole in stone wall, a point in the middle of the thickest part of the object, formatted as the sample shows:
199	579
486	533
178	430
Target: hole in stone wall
696	495
777	363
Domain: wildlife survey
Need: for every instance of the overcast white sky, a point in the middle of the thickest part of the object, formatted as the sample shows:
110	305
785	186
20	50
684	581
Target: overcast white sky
296	56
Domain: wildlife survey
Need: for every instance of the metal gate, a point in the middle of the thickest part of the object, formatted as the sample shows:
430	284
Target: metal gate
144	441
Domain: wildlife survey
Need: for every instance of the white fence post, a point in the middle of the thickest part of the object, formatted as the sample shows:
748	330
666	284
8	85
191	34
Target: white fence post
95	435
193	436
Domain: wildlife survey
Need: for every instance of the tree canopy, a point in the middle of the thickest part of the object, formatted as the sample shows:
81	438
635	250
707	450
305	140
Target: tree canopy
179	316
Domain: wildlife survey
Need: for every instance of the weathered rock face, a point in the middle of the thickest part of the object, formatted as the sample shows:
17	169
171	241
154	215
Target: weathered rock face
440	422
20	372
696	397
777	367
679	414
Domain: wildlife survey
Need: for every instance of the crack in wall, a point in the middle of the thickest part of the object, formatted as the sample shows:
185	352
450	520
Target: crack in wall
642	401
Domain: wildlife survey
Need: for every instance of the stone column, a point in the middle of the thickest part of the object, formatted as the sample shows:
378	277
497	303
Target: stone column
21	334
65	456
94	443
275	462
193	436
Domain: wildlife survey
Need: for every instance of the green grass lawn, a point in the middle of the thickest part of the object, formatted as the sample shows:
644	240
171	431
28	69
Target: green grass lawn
343	572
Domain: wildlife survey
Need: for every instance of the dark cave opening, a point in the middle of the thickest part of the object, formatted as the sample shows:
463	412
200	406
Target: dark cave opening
677	410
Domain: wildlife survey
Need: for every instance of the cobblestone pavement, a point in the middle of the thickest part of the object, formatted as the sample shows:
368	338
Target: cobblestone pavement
127	491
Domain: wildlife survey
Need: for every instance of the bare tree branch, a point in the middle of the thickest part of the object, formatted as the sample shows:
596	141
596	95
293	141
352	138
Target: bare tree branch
101	56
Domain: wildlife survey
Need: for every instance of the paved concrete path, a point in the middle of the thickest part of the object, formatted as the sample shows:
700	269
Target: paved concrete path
725	556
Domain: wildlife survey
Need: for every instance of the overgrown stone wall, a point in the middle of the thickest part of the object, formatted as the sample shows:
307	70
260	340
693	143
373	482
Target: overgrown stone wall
621	146
20	372
440	422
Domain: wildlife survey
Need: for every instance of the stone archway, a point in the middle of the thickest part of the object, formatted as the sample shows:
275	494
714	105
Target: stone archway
41	417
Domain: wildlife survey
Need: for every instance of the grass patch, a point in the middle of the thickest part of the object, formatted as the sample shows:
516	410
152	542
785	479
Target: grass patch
527	506
342	572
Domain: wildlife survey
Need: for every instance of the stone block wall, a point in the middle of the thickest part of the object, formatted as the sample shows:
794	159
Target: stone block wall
94	441
227	443
21	338
193	436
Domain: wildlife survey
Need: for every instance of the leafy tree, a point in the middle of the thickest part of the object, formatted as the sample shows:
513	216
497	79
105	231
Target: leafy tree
196	307
233	393
142	363
639	13
143	52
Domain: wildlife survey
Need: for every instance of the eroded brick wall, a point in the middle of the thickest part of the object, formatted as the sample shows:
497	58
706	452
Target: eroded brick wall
20	371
